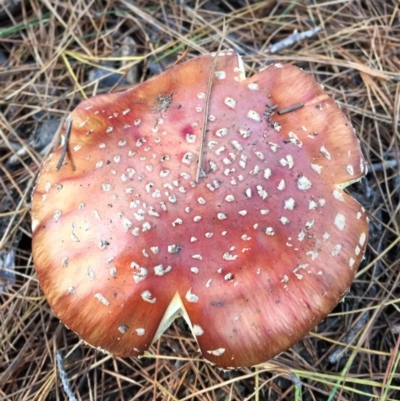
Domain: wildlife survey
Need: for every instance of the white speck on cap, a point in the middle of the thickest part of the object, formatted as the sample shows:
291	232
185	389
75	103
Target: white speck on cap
336	250
197	330
174	248
244	132
313	254
282	185
317	168
287	162
312	205
217	352
228	256
253	115
289	204
102	299
146	296
230	102
362	239
284	220
326	154
253	86
221	132
350	169
338	195
269	231
277	126
56	215
340	221
220	75
303	183
310	224
123	329
140	331
159	270
140	275
191	297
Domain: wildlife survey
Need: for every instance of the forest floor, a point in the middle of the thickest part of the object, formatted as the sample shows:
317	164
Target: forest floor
53	54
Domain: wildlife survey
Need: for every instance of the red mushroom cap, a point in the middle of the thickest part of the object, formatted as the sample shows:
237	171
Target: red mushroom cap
254	248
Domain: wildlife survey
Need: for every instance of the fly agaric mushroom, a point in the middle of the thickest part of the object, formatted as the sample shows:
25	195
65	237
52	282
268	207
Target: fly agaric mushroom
203	194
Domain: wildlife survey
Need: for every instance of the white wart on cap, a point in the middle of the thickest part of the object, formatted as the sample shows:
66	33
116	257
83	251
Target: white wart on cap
254	251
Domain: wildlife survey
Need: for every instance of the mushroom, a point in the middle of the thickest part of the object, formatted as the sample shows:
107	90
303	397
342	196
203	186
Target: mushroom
204	194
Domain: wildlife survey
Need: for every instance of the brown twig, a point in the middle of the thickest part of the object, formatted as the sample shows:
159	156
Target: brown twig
66	142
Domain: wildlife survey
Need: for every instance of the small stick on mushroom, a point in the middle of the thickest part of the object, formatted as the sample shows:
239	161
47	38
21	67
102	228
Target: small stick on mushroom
66	140
182	56
291	108
208	93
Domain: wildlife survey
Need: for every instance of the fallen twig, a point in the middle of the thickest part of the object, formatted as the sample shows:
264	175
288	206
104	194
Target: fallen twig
292	39
66	140
64	377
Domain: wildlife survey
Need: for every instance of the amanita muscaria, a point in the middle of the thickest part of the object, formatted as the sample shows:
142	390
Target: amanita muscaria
254	247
